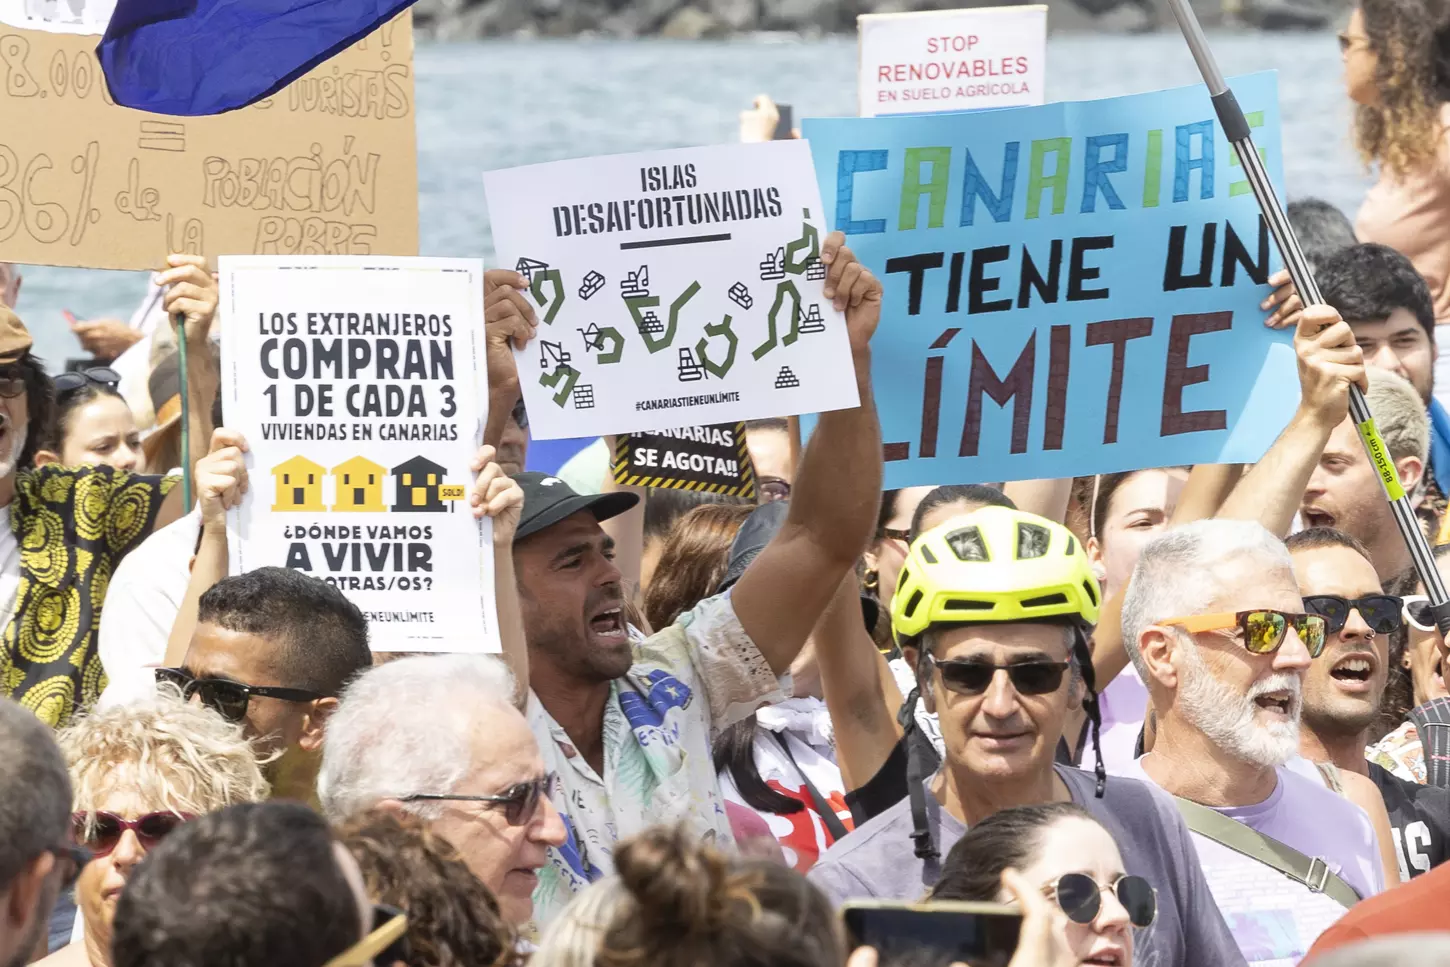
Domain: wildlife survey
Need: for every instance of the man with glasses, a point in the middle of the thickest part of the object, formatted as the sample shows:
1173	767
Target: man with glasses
1342	693
37	858
440	737
1214	622
272	650
1000	604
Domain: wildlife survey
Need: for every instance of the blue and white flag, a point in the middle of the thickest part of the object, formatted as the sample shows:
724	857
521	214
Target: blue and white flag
195	57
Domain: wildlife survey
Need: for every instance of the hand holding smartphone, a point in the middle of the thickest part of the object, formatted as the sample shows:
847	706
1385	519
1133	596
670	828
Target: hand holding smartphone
979	934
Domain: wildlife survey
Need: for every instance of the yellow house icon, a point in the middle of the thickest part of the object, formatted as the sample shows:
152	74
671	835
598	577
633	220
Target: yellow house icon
359	484
299	485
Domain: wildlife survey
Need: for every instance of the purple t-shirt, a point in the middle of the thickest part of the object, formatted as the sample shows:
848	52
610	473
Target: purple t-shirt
1275	919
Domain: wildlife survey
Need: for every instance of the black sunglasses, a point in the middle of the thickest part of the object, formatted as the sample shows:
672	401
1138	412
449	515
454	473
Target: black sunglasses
1081	897
75	859
520	414
397	951
1034	677
225	696
1384	613
12	381
520	802
71	381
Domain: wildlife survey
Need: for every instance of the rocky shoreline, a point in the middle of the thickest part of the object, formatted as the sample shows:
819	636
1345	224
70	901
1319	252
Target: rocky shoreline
451	20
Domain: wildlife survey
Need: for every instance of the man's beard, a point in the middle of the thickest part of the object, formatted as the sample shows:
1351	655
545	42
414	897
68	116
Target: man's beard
1228	719
9	460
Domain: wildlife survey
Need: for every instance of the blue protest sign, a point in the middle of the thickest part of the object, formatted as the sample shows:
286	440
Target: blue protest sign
1070	289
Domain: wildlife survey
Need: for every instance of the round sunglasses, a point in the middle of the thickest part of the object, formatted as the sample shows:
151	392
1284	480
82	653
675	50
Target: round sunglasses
1081	897
228	698
1384	613
971	677
101	831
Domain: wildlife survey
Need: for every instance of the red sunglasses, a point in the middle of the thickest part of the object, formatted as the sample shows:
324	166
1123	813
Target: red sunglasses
101	832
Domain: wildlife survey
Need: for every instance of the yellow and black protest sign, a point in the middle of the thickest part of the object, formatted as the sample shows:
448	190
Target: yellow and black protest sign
706	459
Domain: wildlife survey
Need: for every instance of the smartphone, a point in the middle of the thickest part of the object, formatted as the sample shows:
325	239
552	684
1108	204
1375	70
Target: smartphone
980	934
785	127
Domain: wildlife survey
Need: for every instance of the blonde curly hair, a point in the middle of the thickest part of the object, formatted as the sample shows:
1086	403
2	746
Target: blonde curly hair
1402	133
174	755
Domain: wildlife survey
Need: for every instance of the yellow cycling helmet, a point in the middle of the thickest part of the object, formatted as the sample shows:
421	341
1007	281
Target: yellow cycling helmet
994	565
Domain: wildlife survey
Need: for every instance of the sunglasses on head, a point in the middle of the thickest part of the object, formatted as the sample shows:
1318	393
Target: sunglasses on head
101	831
1081	897
1263	630
1384	613
71	381
230	699
971	677
520	803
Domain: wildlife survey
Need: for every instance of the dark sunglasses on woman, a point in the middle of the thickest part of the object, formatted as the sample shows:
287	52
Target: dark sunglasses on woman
971	677
1081	897
71	381
226	697
1419	612
1384	613
101	832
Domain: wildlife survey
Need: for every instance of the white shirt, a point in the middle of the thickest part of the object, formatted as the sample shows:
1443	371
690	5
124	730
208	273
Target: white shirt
688	681
9	569
805	724
142	603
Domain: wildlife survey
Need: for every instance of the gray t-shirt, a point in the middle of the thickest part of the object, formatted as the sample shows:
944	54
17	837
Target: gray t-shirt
877	861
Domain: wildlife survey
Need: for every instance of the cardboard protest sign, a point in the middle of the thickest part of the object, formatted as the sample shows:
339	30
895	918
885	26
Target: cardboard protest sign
934	61
1070	289
680	286
707	459
326	167
358	384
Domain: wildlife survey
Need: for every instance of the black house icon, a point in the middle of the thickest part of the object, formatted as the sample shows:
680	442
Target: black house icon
417	482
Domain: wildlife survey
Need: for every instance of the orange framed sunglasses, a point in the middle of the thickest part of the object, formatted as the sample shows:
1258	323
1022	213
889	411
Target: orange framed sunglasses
1264	630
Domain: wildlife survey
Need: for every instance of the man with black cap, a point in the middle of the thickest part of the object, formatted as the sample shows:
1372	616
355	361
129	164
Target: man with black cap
627	725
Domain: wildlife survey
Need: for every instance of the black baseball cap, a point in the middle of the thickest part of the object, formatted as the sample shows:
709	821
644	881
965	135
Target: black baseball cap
548	500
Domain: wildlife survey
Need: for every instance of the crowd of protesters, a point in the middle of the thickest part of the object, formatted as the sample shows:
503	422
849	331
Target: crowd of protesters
1174	716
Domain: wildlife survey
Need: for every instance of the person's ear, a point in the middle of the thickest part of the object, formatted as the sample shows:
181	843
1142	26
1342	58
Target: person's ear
314	725
44	458
22	901
1158	645
1412	471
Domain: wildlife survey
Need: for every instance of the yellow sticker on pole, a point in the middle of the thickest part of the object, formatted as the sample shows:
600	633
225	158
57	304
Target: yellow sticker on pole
452	492
1380	457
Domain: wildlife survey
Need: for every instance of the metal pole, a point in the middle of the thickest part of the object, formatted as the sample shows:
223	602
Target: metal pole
185	386
1236	129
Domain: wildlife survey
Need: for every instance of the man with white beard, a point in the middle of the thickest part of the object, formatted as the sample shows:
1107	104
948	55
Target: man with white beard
1215	625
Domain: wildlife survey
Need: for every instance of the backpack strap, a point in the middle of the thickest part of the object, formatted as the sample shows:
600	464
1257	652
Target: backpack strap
1313	873
834	826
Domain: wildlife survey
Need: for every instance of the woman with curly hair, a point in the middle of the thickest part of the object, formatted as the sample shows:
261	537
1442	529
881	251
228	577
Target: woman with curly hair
1397	71
453	920
138	772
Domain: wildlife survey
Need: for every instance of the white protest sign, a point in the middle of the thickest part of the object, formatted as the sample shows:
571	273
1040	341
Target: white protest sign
674	288
358	383
952	60
58	16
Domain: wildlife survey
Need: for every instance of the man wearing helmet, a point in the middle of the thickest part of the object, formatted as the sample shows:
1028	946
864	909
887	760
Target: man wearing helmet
1000	604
